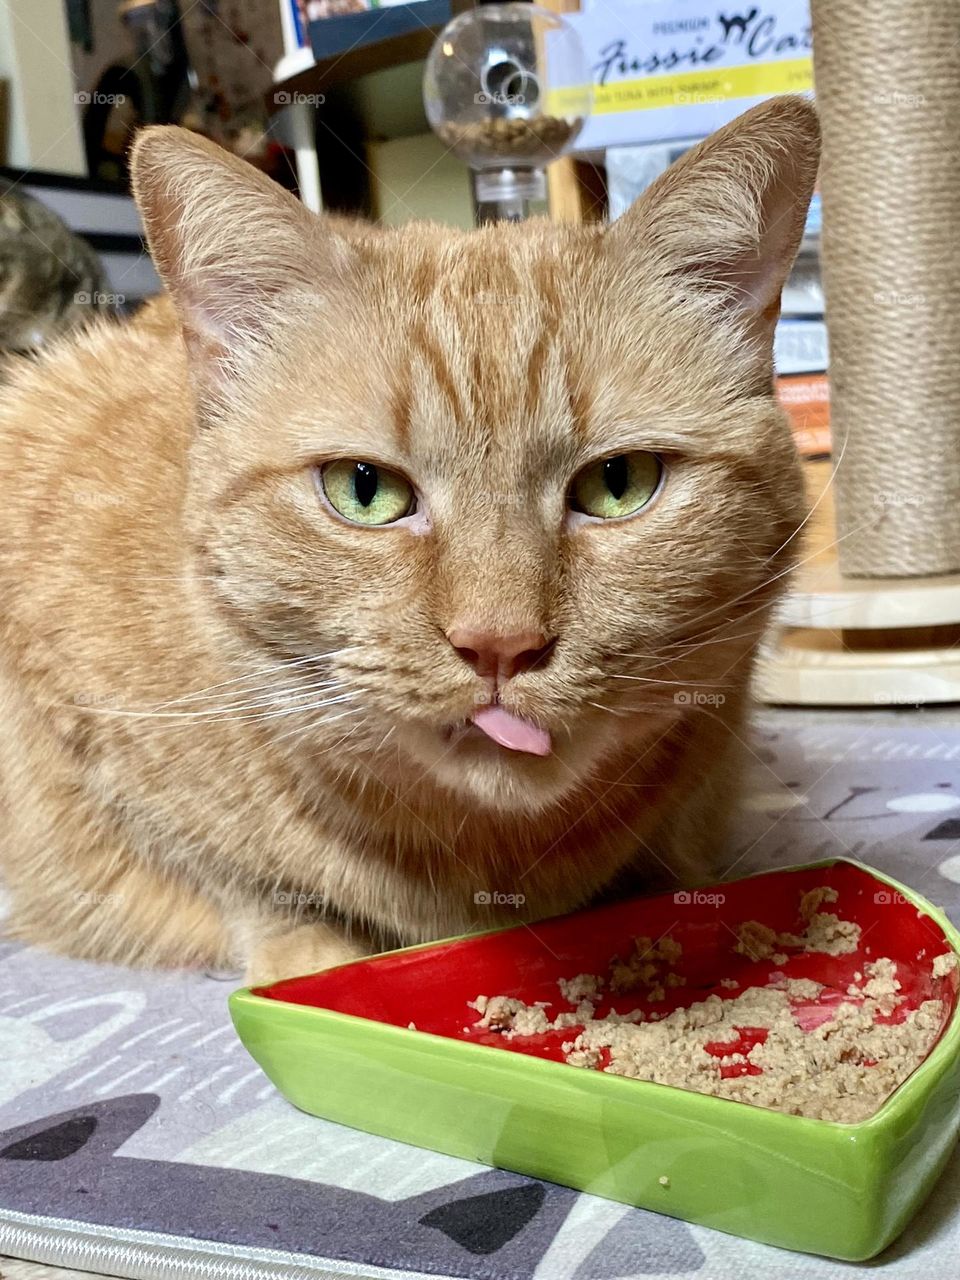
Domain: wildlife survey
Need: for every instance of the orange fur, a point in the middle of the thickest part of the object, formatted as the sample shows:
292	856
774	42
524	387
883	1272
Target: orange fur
168	571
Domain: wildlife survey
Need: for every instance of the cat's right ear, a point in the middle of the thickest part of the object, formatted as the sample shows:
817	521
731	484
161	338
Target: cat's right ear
228	244
723	224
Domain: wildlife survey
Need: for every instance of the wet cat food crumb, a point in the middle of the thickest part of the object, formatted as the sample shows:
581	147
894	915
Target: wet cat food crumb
825	933
583	1057
756	940
512	1017
801	988
575	1017
813	900
664	1180
585	986
829	935
647	967
750	1047
882	984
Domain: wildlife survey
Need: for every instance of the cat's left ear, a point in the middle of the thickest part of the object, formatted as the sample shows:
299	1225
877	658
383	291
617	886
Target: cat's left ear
228	243
726	220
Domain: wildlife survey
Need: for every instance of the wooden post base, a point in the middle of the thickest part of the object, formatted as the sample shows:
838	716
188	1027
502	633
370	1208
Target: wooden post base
853	642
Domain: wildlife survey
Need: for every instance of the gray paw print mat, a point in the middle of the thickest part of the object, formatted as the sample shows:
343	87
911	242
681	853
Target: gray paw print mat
138	1139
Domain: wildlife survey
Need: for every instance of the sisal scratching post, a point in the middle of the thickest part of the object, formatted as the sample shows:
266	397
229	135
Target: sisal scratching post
874	616
888	89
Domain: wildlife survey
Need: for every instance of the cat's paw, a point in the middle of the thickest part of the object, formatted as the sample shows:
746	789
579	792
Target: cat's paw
304	949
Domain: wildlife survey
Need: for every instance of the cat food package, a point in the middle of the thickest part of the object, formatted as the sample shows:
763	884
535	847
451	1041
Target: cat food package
806	399
671	69
631	169
800	346
801	359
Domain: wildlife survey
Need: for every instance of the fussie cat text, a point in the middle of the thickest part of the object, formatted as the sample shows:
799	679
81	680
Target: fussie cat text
753	34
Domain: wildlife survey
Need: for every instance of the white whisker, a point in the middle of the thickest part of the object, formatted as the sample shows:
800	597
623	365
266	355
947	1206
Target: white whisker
271	699
264	671
701	684
614	711
810	513
311	706
319	722
213	716
769	582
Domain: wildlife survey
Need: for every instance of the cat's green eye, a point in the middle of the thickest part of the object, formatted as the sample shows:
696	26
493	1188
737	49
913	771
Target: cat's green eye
618	486
365	493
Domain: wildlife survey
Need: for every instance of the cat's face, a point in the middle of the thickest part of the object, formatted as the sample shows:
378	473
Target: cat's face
521	486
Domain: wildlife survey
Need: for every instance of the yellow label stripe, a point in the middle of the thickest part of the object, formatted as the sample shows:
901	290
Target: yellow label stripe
689	88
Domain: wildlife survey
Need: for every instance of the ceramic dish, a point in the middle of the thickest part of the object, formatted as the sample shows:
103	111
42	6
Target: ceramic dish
337	1044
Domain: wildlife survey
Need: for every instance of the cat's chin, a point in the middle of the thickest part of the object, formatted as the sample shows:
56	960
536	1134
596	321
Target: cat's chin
466	761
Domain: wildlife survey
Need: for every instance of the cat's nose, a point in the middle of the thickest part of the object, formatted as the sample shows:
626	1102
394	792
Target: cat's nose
501	656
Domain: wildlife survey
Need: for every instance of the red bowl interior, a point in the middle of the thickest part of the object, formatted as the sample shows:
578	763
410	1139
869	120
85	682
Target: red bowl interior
430	986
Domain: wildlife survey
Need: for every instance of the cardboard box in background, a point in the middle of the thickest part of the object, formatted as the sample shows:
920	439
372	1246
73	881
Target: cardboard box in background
802	358
806	399
671	69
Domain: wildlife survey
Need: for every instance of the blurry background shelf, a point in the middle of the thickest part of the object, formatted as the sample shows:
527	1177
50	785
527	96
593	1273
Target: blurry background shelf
357	88
353	111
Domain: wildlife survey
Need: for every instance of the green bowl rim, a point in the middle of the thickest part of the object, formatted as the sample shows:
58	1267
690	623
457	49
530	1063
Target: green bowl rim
902	1098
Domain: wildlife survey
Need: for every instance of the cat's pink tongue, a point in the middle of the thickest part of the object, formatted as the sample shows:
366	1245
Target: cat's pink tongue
512	732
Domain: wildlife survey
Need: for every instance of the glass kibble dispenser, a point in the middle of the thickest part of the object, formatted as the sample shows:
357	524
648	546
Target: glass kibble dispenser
507	87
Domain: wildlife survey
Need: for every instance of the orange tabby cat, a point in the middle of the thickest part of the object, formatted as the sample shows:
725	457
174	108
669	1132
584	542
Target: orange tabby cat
382	585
